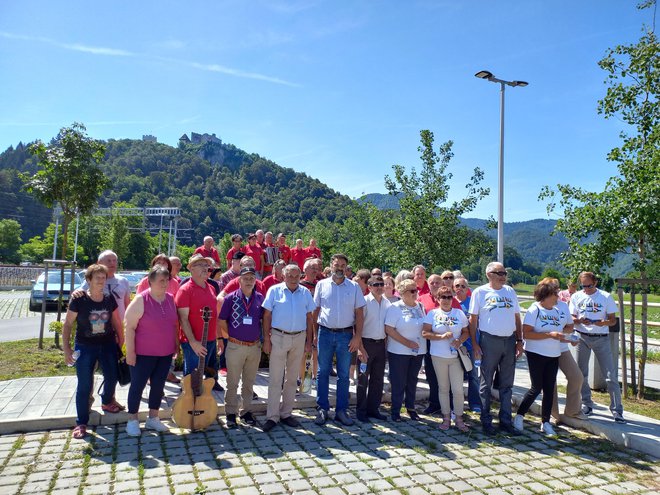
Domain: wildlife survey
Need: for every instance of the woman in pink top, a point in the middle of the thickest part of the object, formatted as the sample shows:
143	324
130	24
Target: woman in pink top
151	341
164	261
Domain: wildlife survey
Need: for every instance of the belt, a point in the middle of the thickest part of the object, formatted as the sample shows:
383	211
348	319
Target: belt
288	333
338	330
242	342
498	336
372	340
593	334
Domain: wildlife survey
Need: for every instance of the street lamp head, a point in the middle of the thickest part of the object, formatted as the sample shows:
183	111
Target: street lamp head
522	84
484	74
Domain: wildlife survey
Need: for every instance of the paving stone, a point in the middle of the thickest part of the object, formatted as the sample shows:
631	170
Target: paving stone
273	488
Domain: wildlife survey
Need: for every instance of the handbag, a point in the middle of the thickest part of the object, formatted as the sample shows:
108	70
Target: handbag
464	358
123	370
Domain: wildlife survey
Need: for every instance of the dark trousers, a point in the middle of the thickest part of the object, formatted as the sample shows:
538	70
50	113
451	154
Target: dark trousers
222	361
154	369
498	352
106	354
431	378
543	373
370	383
403	379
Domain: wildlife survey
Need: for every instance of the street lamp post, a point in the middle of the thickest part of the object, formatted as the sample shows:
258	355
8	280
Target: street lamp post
488	76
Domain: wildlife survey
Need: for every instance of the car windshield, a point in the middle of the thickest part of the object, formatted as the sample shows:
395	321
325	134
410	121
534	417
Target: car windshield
55	278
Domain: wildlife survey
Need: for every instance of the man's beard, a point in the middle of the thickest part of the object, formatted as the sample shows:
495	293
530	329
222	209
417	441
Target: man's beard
339	274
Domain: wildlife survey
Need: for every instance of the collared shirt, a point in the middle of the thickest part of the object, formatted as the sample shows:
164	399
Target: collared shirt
289	308
194	297
243	315
338	302
374	317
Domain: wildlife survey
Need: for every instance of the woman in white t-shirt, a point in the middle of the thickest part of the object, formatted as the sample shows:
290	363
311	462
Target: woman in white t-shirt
405	351
543	328
447	329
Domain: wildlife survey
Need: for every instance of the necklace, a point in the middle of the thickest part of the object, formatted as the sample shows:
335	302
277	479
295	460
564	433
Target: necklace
160	304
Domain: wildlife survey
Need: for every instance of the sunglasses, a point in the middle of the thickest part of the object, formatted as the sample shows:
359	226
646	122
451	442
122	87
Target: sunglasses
412	291
590	286
501	274
448	278
447	297
378	284
460	286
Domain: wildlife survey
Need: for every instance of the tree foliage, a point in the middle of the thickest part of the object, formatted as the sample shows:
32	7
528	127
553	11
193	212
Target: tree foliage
68	175
10	241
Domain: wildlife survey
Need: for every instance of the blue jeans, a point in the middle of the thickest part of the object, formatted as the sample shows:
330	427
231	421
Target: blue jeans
191	360
148	368
329	345
106	354
474	400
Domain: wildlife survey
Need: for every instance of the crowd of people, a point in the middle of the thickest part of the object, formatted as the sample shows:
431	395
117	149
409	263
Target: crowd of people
355	326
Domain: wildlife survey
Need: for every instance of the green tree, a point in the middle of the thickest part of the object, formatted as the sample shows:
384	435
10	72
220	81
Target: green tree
427	230
68	174
117	237
624	216
10	241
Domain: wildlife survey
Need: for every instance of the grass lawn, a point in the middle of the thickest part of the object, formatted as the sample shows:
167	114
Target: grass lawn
648	406
23	358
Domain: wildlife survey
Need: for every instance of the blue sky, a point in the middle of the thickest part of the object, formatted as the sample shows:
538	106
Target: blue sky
336	89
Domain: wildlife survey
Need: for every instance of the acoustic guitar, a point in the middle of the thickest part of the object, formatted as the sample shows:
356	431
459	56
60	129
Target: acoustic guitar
196	408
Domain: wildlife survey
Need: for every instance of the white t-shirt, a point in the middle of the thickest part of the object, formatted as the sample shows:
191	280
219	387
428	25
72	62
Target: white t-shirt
596	307
496	309
453	321
374	317
544	321
408	322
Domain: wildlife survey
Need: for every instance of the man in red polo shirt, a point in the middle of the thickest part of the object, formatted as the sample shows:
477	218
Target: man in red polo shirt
254	251
285	251
236	241
276	277
190	299
208	251
313	250
299	254
419	276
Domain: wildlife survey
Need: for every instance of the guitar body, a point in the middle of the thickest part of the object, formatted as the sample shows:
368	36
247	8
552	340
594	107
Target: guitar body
195	412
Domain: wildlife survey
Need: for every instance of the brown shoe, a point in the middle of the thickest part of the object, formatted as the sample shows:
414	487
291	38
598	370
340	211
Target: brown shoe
172	378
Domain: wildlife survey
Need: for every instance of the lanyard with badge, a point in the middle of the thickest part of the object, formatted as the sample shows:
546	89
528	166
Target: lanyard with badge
247	319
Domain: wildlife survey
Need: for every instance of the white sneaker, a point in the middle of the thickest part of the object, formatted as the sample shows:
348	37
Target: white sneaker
133	428
156	425
518	423
547	429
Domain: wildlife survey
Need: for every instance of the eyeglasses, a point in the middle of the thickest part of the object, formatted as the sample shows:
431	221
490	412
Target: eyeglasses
412	291
501	274
460	286
451	277
590	286
447	297
378	284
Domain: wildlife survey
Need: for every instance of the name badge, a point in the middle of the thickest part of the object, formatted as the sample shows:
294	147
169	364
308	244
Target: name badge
247	320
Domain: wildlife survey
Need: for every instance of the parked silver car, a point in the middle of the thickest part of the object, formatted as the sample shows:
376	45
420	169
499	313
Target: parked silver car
54	281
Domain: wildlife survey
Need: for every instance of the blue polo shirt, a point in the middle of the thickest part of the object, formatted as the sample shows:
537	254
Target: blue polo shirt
289	308
237	309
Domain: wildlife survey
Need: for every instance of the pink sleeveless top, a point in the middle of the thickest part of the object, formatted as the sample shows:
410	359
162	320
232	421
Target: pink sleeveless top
155	334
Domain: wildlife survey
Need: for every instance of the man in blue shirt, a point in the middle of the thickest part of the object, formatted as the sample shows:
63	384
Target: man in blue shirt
240	319
288	333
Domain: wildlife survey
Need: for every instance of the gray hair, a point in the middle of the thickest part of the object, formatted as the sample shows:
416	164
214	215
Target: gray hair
418	267
156	271
290	267
458	274
402	275
106	253
491	265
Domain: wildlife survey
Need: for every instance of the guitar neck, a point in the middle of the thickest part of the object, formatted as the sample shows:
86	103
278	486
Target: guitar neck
198	379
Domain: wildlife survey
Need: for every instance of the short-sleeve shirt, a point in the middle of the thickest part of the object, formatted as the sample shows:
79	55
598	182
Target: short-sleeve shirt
235	284
337	302
172	286
496	309
595	307
243	315
255	252
208	253
194	297
430	303
374	317
544	321
289	308
119	288
227	277
312	252
232	251
453	321
284	253
408	321
94	319
298	256
269	281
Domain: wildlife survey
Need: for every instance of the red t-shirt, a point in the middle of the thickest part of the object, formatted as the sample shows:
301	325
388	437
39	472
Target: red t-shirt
236	284
194	297
285	253
230	253
429	302
255	253
268	282
298	256
212	253
424	290
313	252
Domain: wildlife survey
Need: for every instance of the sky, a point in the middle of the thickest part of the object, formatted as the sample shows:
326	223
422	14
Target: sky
336	89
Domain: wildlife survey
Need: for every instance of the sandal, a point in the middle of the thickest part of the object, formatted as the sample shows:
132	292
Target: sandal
113	407
79	432
462	426
446	421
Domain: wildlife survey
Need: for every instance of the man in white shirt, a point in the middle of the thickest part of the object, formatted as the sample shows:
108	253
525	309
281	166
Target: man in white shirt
370	383
288	332
594	311
339	302
494	311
